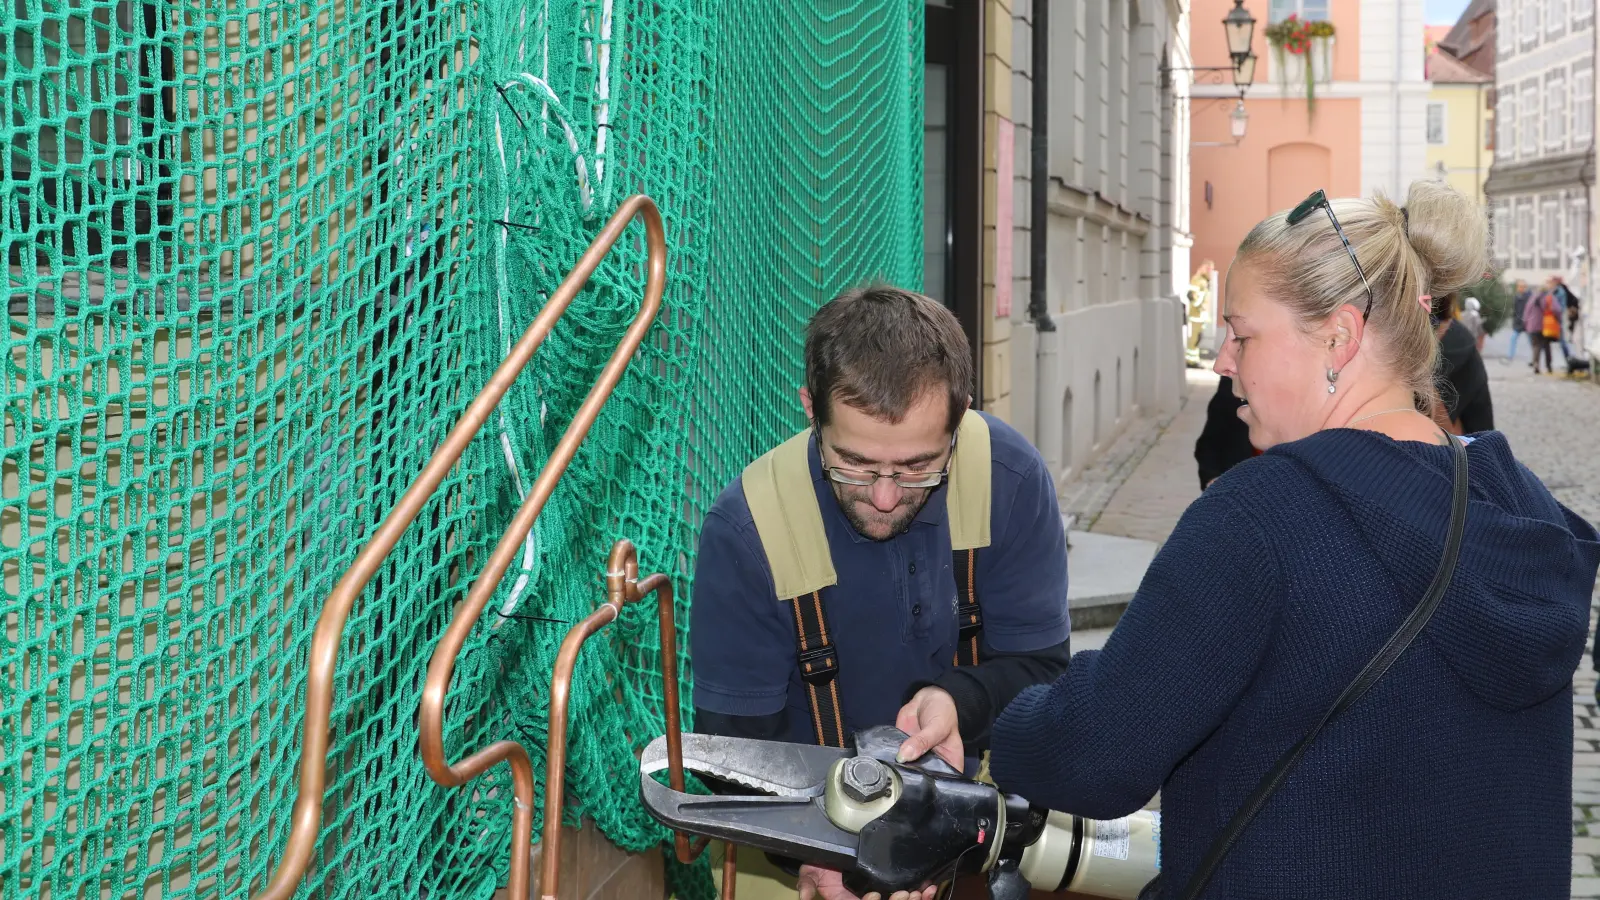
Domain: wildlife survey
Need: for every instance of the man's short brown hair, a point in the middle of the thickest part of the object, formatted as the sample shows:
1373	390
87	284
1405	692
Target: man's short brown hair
879	348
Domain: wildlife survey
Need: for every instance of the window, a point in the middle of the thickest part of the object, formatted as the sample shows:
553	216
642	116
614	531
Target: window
1524	236
1505	27
1555	17
1505	118
1582	102
1309	10
1582	12
1529	29
1530	120
92	178
1436	131
1555	111
1550	231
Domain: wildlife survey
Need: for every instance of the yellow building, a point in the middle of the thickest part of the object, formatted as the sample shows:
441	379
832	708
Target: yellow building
1459	127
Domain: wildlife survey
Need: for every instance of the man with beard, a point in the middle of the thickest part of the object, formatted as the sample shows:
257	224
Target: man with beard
902	551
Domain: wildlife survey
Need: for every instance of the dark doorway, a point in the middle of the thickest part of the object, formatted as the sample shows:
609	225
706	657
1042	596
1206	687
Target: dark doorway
953	167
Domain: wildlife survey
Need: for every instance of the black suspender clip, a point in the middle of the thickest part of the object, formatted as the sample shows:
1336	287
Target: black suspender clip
819	665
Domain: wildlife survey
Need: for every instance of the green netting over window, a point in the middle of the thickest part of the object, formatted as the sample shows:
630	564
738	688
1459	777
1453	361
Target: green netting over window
260	256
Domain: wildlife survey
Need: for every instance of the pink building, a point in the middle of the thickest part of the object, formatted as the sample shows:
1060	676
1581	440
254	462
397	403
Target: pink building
1362	130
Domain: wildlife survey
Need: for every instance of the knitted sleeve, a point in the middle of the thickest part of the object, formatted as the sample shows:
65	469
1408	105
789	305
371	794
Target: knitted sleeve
1103	738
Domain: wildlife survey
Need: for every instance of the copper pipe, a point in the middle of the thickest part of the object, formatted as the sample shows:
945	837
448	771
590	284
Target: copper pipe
730	870
686	851
307	815
622	587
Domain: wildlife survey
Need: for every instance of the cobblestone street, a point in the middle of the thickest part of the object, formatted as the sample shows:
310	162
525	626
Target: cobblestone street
1553	424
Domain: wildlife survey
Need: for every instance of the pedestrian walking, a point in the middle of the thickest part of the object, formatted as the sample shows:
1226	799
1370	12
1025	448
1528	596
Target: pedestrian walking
1543	327
1283	586
1562	297
1519	303
1473	319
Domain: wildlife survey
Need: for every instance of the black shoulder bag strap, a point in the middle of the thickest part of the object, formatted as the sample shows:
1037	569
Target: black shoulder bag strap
1368	676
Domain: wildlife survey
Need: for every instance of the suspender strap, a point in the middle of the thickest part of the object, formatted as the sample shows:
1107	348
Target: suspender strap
819	662
819	668
969	618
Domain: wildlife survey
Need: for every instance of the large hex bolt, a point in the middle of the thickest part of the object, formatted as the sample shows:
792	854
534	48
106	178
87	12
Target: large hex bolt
865	779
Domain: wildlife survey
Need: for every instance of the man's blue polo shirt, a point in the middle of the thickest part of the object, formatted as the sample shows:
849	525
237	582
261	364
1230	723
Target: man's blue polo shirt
892	614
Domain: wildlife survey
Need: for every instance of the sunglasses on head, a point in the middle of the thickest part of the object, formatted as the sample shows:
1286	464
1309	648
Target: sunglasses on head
1319	198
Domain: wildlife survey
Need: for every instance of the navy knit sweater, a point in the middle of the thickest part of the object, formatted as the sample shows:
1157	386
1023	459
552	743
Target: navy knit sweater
1451	778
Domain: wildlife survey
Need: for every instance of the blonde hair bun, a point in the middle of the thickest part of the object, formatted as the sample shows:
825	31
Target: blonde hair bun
1449	233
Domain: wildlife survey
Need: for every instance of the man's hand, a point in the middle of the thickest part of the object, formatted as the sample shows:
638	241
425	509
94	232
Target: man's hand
826	884
930	720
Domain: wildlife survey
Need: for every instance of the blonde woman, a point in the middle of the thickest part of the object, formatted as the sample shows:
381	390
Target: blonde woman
1450	776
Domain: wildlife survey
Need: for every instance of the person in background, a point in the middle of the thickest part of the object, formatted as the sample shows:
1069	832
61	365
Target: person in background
1199	295
1561	296
1538	317
1567	302
1225	440
1519	303
1473	319
1464	387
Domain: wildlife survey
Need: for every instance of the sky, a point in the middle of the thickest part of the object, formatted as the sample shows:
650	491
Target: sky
1444	12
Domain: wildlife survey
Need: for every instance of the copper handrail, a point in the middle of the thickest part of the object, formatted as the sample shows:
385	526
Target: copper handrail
307	815
622	587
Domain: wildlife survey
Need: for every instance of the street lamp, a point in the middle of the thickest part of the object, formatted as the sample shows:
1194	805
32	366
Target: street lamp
1240	27
1238	120
1244	71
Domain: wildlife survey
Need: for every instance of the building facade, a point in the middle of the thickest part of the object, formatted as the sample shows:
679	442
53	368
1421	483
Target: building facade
1459	128
1539	188
1095	321
1359	132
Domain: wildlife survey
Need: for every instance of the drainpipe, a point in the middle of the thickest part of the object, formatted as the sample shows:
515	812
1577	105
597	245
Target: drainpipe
1048	384
1399	61
1477	150
1039	186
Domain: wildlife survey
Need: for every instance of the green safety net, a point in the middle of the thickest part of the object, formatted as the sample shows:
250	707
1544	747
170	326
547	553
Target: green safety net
260	257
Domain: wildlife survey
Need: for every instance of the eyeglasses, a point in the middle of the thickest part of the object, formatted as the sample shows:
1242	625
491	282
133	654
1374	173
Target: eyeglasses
1308	206
864	478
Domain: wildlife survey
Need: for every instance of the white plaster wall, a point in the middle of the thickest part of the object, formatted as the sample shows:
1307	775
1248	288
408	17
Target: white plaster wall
1392	80
1112	274
1101	344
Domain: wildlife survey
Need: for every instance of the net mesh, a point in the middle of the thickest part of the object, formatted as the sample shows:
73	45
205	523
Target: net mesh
260	257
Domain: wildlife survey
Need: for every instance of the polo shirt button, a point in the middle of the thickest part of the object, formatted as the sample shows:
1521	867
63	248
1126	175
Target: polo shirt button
916	610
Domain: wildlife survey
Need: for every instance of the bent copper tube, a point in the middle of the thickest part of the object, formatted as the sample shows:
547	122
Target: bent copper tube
307	815
622	587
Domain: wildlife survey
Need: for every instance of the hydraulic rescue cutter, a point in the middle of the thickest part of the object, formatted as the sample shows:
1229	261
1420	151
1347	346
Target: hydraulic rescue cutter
891	826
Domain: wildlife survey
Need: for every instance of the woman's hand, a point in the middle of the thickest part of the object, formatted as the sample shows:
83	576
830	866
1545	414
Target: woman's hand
930	720
826	884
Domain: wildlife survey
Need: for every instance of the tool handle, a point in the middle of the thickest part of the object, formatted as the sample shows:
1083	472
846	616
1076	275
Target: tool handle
1006	882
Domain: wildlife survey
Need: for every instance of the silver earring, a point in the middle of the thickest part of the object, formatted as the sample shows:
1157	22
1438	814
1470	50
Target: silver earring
1332	377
